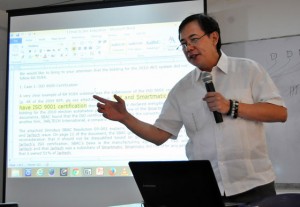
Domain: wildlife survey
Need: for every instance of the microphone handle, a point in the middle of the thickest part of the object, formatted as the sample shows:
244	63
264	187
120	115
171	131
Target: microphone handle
218	116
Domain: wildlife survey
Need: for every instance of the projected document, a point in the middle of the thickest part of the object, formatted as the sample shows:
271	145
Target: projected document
53	118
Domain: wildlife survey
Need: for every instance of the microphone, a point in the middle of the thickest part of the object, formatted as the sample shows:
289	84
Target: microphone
207	79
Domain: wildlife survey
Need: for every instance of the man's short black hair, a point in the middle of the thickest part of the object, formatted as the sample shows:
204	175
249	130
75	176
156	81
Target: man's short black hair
206	23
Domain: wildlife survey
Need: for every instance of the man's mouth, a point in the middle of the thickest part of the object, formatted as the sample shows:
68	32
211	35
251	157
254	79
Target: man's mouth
192	56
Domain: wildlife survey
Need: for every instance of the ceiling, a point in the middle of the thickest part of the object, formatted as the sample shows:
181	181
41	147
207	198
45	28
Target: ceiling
22	4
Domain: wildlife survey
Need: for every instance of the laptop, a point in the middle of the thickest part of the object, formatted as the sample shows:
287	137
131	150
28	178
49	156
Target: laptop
177	183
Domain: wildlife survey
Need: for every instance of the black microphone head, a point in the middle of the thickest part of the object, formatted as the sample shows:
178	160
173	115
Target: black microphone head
206	77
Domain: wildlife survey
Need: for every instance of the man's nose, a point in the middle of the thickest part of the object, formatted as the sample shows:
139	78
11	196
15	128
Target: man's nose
189	47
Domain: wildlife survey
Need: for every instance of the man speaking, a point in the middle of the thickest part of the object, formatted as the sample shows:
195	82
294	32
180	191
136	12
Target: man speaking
244	96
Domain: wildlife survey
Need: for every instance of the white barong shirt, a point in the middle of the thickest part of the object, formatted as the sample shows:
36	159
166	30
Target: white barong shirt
236	147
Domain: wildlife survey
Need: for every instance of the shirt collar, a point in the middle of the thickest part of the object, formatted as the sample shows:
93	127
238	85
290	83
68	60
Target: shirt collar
223	62
222	65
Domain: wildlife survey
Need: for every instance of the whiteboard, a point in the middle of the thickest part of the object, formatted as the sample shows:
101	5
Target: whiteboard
281	58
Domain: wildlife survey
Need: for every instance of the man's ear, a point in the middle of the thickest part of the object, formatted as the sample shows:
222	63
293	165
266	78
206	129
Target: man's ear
214	37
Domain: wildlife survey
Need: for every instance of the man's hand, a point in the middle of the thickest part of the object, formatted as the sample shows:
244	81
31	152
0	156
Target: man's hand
216	102
115	111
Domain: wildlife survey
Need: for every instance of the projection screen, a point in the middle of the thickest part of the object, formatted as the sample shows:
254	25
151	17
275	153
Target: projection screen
60	150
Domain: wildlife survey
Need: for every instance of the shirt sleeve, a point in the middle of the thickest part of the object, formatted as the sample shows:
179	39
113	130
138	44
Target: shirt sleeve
170	119
264	88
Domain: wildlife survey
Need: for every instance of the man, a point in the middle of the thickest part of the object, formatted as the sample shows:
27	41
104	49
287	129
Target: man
245	96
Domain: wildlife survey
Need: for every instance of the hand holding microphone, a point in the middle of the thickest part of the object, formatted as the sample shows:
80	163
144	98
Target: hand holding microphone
207	79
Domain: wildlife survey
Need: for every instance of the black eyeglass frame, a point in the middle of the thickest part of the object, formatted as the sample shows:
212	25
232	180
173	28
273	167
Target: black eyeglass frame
192	42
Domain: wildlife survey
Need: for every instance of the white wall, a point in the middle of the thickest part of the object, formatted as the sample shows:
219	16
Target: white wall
3	39
242	20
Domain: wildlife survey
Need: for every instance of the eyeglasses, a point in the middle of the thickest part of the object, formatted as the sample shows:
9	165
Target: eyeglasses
193	42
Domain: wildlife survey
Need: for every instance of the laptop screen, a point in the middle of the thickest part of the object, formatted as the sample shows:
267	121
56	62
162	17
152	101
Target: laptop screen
177	183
